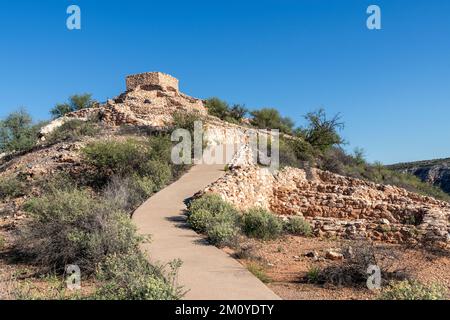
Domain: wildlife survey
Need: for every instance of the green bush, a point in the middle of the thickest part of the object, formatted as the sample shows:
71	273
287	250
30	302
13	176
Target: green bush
298	226
73	130
413	290
185	120
200	220
321	132
269	118
259	272
122	158
18	133
222	110
75	103
159	172
70	226
261	224
160	148
216	218
313	275
130	277
212	203
217	107
222	231
130	192
11	187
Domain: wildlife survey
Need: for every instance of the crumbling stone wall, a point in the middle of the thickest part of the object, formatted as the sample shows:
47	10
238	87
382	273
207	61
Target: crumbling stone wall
338	206
155	80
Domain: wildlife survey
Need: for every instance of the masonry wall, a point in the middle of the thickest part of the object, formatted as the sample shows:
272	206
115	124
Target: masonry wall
157	79
338	206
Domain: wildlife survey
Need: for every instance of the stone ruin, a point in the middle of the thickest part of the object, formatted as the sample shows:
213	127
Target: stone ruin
151	100
155	80
338	206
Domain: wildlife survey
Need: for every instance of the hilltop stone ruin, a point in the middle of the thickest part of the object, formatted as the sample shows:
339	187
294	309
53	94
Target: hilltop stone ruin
151	100
336	206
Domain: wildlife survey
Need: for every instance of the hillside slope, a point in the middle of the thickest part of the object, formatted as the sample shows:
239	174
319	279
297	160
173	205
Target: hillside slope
435	172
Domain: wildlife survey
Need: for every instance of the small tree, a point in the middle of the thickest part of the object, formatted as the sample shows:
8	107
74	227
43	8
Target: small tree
269	118
360	156
217	107
222	110
75	103
322	133
17	132
238	112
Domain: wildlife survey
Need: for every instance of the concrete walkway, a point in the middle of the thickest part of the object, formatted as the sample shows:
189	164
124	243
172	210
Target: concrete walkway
207	272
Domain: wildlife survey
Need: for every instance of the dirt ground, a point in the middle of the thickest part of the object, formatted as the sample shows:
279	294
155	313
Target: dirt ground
286	264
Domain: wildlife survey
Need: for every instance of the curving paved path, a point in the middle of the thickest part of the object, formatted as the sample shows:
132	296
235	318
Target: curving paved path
207	272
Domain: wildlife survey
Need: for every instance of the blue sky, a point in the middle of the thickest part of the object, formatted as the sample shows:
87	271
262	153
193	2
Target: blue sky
391	86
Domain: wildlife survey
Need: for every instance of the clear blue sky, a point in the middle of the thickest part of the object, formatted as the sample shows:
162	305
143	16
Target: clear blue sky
392	86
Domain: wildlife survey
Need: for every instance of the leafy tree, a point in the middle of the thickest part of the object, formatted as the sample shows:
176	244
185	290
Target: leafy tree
321	132
269	118
17	132
75	103
217	107
360	156
238	112
222	110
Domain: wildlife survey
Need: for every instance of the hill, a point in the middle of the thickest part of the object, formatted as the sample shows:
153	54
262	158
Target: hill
435	172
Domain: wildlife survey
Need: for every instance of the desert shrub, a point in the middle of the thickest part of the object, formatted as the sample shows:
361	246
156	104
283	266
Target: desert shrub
313	275
258	271
200	220
129	192
185	120
18	133
217	107
122	158
160	148
321	132
294	152
336	160
73	130
222	110
11	187
216	218
261	224
352	271
212	203
413	290
298	226
70	226
2	242
159	172
75	102
236	113
129	276
269	118
222	231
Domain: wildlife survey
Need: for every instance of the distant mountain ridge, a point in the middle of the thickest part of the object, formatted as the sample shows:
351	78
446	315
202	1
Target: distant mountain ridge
435	172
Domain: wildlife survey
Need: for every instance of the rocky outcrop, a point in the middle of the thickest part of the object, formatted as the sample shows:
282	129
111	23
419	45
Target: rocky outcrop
338	206
434	172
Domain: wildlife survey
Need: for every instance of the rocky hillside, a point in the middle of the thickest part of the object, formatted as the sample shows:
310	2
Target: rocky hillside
335	205
434	172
